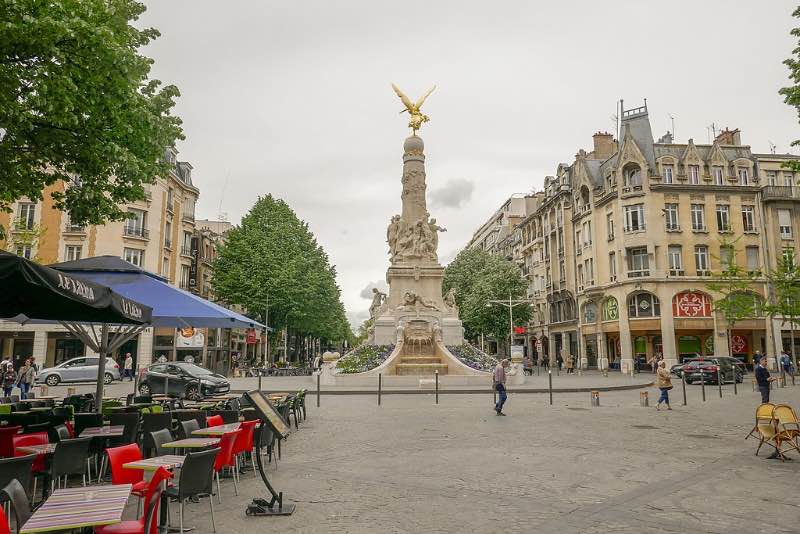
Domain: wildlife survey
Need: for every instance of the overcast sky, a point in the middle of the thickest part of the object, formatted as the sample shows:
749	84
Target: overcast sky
293	99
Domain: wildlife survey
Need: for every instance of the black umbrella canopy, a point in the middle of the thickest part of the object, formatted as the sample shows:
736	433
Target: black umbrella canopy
44	294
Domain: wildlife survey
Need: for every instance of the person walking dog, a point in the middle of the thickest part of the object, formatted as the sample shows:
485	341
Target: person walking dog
499	380
664	382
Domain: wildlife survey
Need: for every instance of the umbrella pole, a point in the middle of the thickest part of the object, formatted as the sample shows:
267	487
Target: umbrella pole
101	368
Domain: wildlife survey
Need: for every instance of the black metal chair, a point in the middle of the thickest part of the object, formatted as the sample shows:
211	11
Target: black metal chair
70	458
131	423
58	433
159	438
17	468
185	428
14	493
142	399
153	422
87	420
196	480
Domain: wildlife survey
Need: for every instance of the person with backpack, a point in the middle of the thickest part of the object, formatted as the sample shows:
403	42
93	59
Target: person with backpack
7	375
786	363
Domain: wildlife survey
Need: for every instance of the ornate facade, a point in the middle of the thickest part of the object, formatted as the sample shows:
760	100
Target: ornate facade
619	247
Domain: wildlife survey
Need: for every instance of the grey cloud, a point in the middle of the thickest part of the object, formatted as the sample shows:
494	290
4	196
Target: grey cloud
366	293
453	194
356	318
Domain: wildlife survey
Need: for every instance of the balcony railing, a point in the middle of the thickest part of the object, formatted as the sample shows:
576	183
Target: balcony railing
170	206
186	251
132	231
189	217
74	229
639	273
780	192
168	243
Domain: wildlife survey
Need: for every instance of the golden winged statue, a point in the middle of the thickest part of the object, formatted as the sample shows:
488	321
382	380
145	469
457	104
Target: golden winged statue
413	109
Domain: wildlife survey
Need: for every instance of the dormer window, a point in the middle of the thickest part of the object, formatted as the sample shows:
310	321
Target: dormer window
719	175
668	173
633	175
743	176
694	174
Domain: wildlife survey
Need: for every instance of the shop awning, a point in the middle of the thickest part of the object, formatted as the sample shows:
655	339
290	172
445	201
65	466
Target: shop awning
172	307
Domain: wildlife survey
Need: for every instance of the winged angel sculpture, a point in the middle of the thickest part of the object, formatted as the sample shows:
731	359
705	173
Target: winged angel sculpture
413	109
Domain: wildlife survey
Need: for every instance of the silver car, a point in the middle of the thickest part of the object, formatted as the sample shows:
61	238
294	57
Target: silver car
79	370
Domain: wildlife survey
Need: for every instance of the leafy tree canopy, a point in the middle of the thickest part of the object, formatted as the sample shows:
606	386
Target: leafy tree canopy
272	257
77	104
478	277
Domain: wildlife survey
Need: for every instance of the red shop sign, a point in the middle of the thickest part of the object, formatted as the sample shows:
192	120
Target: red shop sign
738	344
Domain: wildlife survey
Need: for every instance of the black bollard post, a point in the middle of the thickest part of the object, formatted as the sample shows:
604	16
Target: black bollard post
703	383
259	380
719	381
318	390
735	381
380	379
683	384
437	386
550	385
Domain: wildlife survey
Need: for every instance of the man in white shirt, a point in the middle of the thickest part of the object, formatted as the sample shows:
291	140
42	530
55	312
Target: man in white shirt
128	366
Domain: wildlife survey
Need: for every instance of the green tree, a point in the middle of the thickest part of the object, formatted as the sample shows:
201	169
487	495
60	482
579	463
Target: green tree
735	285
272	257
479	277
784	302
76	104
791	93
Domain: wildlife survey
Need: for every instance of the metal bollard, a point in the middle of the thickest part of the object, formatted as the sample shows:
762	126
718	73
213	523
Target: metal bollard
550	384
317	390
753	382
783	379
735	381
437	386
644	399
719	381
380	380
703	383
683	384
259	380
594	398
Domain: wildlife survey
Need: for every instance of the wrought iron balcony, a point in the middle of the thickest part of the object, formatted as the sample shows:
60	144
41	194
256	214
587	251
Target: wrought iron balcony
133	231
780	192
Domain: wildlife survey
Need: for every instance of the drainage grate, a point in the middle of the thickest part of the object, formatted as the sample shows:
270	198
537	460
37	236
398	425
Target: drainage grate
702	436
646	427
585	409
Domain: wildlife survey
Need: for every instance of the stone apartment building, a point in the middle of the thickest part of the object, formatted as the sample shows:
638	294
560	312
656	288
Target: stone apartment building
162	237
620	245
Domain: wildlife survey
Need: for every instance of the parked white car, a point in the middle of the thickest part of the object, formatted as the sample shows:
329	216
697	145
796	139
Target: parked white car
79	370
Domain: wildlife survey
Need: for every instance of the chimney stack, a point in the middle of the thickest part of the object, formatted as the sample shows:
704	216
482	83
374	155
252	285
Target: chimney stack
604	145
729	137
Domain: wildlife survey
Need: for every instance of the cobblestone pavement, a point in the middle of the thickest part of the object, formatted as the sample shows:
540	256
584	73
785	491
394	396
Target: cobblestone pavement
411	466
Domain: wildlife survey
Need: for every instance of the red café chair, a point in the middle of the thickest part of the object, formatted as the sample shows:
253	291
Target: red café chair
6	443
4	522
244	443
214	420
148	522
225	459
117	458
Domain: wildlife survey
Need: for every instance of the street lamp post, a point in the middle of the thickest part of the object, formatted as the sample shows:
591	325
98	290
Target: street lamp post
510	303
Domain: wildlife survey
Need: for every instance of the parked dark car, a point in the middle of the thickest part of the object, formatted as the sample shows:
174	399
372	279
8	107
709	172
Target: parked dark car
705	369
185	380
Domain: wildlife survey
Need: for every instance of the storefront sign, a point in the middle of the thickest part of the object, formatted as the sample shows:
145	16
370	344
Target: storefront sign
691	304
189	337
709	345
195	244
739	344
517	330
251	336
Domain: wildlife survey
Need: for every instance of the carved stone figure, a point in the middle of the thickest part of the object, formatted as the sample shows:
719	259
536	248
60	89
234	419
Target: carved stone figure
414	302
434	230
450	300
391	234
401	331
377	301
437	331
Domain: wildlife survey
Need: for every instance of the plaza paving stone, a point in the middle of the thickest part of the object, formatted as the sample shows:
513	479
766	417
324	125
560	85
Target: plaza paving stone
412	466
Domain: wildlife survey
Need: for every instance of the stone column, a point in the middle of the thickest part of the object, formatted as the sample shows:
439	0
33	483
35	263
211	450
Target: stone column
668	331
602	355
584	361
40	346
625	340
144	348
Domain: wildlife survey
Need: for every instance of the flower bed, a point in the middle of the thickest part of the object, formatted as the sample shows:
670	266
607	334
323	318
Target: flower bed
364	358
473	357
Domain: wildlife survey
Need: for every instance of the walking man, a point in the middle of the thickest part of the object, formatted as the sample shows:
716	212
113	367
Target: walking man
664	381
763	379
127	367
786	363
8	375
499	379
26	378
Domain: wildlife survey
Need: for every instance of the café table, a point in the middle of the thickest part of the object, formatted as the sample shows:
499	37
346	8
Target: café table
110	431
216	430
77	508
170	461
192	443
43	448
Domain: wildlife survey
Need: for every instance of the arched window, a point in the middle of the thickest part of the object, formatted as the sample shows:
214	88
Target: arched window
610	309
632	174
691	304
584	195
589	312
643	305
